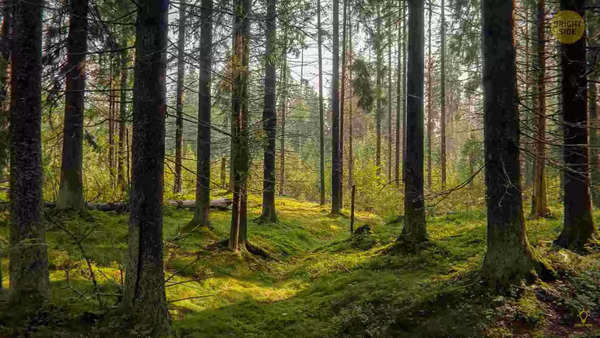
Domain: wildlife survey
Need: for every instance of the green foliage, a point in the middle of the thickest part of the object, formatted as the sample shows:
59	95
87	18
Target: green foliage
362	84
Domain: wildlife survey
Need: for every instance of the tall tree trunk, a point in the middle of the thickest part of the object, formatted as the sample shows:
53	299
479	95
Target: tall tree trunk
443	95
404	85
29	283
399	92
269	214
350	112
239	119
121	173
414	204
336	167
144	294
578	225
389	95
204	118
593	24
70	194
509	256
4	68
179	103
379	76
429	98
343	96
321	114
284	90
539	204
111	119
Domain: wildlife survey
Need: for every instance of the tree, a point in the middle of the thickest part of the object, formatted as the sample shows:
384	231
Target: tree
443	94
414	204
429	97
321	114
239	119
4	67
539	204
336	165
283	104
70	194
578	225
144	294
509	256
269	214
379	91
203	150
179	93
29	282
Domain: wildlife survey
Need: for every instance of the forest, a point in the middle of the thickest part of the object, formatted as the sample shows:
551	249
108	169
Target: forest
299	168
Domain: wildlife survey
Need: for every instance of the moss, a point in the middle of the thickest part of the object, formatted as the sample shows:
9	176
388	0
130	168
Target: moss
321	285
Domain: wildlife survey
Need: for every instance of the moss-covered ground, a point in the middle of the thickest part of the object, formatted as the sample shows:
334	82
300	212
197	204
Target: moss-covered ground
317	283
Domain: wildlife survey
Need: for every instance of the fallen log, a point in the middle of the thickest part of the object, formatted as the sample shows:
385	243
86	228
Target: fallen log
219	204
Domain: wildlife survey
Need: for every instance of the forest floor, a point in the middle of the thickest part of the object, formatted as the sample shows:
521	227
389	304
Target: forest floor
319	282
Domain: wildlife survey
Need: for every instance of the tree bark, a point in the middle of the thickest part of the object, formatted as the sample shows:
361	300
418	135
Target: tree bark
29	283
429	98
578	225
203	145
336	166
509	256
122	152
321	114
144	294
379	90
404	86
239	119
284	91
389	97
4	68
70	194
414	204
443	95
269	214
399	93
179	103
350	113
592	25
539	204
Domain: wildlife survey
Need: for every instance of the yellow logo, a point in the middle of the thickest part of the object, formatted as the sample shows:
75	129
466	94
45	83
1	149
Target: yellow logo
583	318
567	27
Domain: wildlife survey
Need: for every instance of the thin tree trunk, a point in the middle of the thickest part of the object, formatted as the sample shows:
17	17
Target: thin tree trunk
443	95
239	119
429	98
539	204
111	120
203	150
284	83
122	122
509	256
414	204
389	96
379	75
321	114
404	86
179	103
399	95
336	167
593	25
4	69
350	114
144	294
343	97
578	225
269	214
28	258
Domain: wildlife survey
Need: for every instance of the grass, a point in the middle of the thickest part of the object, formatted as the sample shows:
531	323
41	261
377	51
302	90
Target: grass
321	284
